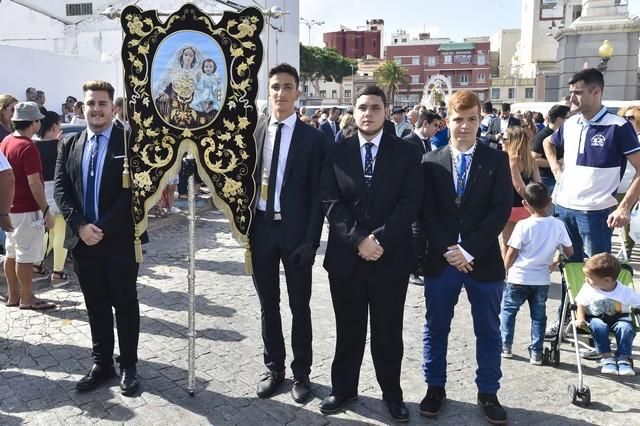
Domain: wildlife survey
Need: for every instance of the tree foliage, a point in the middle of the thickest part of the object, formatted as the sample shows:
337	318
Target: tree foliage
391	76
328	64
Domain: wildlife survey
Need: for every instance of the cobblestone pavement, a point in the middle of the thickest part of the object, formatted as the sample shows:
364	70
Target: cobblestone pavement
44	354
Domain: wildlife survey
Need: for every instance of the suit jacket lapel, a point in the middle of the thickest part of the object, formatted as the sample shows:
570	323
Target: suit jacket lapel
294	147
474	172
78	150
114	143
380	164
445	160
355	163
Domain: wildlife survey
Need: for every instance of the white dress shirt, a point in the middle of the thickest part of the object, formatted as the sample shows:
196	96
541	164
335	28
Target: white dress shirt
454	161
374	149
267	154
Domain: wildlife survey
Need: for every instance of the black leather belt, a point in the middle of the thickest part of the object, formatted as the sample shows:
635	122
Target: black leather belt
262	213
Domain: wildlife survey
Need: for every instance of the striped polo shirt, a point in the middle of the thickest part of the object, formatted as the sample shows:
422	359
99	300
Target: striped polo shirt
594	160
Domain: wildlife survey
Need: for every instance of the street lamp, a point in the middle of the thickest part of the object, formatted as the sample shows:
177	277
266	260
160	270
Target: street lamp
309	24
606	52
353	85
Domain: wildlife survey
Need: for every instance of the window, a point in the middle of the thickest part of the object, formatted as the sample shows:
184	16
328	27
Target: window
528	92
79	9
415	60
495	93
398	61
347	93
323	93
462	58
306	89
415	79
464	80
447	59
334	94
512	93
431	61
482	59
481	78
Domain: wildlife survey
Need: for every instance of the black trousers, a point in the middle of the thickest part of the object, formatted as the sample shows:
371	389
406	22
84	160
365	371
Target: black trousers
353	298
108	278
267	252
420	246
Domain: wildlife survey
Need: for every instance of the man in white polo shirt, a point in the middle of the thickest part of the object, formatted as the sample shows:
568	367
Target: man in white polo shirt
597	145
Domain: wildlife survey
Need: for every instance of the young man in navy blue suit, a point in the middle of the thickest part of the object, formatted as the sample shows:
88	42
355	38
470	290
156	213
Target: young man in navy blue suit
467	201
286	228
371	190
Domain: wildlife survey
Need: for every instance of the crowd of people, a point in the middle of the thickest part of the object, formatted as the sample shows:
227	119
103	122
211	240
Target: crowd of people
451	197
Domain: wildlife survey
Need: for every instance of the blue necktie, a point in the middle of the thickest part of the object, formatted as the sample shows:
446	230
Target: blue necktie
368	164
90	190
461	173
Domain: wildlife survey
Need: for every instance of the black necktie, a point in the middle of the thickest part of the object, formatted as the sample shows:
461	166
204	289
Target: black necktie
273	174
425	144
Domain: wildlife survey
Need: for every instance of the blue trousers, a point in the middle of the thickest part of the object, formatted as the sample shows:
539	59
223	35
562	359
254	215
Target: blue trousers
442	295
514	296
588	231
623	330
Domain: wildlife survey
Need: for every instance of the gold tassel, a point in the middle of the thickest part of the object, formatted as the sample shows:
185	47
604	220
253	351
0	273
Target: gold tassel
138	249
126	177
248	266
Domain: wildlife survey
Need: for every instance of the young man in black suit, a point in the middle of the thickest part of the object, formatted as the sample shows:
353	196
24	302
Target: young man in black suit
371	189
420	138
89	192
286	227
466	204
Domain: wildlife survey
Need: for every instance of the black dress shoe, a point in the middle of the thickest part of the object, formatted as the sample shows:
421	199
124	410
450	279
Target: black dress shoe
129	381
492	409
269	383
433	400
95	376
333	403
301	390
398	411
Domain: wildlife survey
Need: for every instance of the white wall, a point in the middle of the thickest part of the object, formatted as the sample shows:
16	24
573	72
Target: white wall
97	39
59	76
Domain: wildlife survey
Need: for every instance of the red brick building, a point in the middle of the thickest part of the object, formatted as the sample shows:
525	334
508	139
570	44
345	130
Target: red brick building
466	64
357	44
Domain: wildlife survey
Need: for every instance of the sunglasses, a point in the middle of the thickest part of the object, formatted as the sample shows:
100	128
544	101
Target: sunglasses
629	118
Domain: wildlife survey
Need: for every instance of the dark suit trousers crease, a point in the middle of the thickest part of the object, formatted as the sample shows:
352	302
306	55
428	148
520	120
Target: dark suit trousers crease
267	252
352	298
108	277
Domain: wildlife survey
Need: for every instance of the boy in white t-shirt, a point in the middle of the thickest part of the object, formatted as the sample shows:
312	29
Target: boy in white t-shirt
604	306
530	252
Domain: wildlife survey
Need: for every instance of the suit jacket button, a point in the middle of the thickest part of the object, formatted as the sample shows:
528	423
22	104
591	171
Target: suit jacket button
460	221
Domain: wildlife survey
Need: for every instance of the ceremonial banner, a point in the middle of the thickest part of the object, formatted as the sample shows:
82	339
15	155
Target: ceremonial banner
191	87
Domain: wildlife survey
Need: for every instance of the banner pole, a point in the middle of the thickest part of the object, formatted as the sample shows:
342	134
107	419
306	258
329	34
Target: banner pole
192	286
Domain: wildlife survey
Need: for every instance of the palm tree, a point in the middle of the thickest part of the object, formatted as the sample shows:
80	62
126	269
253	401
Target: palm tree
391	76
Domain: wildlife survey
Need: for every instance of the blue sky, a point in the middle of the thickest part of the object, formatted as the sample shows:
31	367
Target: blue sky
455	19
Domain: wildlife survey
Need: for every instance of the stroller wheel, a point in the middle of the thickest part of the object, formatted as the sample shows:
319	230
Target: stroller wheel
546	357
555	357
573	393
585	395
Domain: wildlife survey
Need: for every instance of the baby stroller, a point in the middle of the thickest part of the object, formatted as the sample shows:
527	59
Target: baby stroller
572	279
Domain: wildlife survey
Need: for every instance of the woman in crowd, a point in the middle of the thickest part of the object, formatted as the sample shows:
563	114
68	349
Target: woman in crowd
632	115
517	144
529	125
347	121
47	142
7	102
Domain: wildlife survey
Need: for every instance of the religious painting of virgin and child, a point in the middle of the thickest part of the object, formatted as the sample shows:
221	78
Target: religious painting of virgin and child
189	79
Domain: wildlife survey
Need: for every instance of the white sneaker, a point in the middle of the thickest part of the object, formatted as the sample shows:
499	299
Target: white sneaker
625	368
174	209
609	366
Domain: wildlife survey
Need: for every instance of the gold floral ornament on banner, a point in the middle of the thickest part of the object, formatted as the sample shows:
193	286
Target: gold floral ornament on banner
191	87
